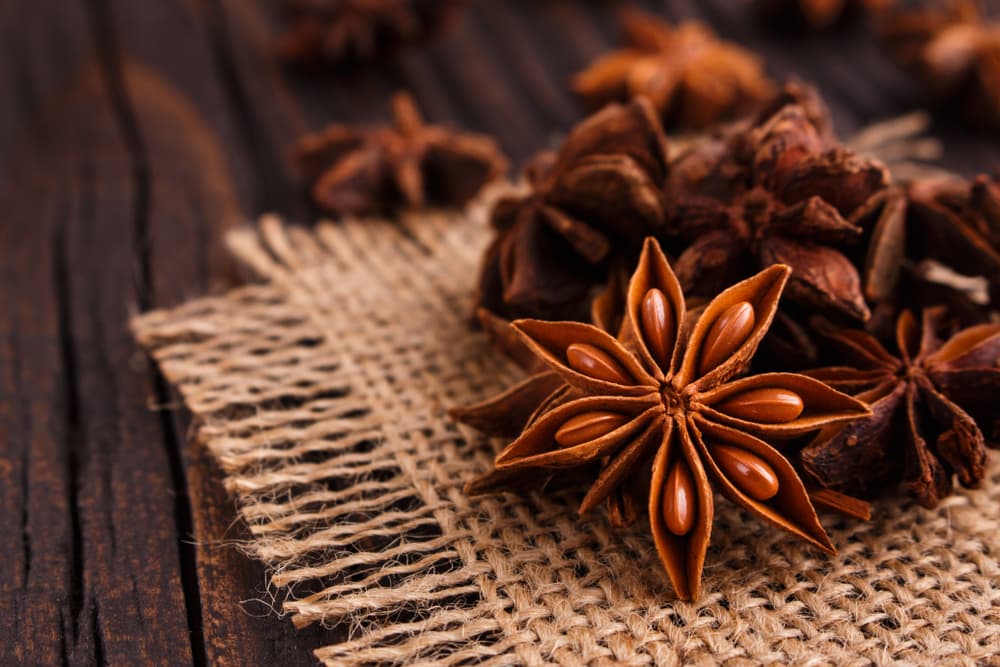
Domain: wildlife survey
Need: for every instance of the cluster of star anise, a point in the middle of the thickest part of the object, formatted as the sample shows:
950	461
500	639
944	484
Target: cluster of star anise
339	32
643	402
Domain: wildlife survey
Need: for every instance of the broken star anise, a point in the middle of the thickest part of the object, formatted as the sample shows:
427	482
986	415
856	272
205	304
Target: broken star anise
338	32
599	195
955	51
779	192
360	170
659	407
693	78
924	402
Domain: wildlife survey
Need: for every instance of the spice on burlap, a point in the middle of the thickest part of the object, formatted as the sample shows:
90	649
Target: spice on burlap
322	393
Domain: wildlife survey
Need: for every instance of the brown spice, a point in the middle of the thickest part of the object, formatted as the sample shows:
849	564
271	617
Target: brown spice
927	404
661	405
340	32
819	14
693	78
954	51
595	199
778	192
360	170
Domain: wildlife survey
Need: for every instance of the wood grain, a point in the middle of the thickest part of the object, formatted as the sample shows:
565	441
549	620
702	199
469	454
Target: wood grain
131	136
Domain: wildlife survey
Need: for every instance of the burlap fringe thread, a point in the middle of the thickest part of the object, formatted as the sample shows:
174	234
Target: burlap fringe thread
322	393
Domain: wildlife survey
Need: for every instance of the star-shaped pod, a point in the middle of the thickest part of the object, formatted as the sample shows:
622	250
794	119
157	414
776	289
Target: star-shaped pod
659	406
780	192
598	197
693	78
927	404
357	170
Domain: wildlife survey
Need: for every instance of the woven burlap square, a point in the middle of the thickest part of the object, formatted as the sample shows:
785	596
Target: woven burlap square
323	392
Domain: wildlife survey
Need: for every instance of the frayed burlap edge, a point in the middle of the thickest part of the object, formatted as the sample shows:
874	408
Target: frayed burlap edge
322	394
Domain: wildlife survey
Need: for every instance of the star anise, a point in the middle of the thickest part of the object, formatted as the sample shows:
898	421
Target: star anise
693	78
819	14
345	31
924	403
360	170
599	195
659	407
954	51
779	192
958	222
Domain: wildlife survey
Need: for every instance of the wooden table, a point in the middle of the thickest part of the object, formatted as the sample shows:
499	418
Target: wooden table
132	134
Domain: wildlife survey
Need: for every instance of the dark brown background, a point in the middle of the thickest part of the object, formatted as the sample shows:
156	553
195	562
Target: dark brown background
131	135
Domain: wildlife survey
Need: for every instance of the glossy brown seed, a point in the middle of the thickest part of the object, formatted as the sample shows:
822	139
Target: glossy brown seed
679	500
589	426
767	405
748	472
658	326
596	363
726	335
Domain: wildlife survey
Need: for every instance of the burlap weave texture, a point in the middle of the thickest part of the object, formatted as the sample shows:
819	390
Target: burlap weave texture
322	394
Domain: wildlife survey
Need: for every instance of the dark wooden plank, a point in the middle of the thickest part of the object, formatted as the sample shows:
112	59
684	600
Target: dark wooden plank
188	213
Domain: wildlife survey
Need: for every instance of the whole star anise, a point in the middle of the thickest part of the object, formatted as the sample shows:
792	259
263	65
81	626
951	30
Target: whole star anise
779	192
344	31
360	170
919	431
956	52
599	195
659	408
693	78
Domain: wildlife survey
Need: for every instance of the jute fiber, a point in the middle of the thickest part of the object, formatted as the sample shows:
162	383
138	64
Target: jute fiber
322	393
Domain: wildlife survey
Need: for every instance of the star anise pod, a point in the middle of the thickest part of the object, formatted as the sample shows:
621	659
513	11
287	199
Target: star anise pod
779	192
819	14
345	31
954	51
659	407
598	196
693	78
924	403
958	222
361	170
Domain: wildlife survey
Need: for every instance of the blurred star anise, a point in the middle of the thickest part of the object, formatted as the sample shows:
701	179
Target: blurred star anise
779	192
693	78
359	170
925	403
818	14
344	31
957	53
659	407
599	195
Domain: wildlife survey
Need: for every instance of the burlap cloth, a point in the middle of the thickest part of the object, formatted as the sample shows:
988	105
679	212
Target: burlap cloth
322	394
